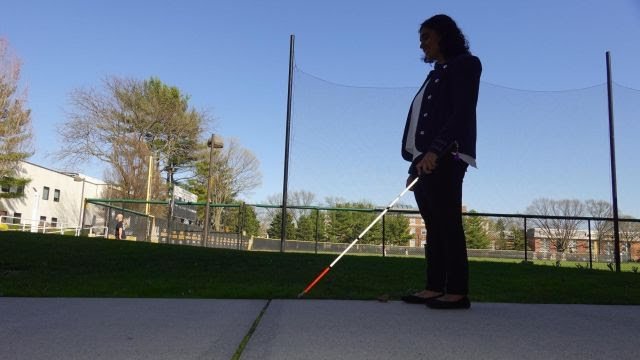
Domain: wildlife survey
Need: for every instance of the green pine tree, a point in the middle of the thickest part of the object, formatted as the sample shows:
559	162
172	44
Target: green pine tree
396	230
475	232
307	226
232	219
15	126
275	227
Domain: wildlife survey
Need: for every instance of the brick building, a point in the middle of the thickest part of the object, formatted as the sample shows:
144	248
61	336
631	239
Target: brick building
544	245
417	229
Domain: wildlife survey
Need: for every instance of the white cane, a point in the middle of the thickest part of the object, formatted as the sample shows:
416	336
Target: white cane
326	270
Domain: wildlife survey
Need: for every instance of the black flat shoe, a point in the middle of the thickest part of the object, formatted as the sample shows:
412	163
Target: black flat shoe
413	299
463	303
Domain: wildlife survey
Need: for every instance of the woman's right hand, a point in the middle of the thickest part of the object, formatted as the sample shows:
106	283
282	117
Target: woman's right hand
410	180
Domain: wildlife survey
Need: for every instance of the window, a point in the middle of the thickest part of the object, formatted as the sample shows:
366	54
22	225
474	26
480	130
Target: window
20	189
16	218
54	222
424	232
43	220
45	193
545	246
412	221
56	195
5	188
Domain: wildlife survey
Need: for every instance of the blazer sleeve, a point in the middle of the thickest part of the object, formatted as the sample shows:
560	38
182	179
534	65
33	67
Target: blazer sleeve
465	81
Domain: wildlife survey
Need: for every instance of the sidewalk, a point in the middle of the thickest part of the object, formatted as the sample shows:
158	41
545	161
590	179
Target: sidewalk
57	328
74	328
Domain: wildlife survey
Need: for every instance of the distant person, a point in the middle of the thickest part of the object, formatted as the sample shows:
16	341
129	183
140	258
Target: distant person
440	142
120	234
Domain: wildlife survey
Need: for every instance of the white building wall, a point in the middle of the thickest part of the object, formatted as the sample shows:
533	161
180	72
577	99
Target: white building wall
67	210
74	188
180	194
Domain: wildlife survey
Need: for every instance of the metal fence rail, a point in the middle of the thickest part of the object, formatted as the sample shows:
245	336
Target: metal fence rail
231	230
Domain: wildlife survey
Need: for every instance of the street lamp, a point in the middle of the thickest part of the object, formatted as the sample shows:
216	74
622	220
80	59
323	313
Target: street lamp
79	178
215	142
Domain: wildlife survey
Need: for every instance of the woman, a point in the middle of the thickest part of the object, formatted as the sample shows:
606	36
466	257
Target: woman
440	142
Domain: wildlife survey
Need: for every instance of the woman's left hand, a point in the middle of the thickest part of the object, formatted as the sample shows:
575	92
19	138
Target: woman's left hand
428	163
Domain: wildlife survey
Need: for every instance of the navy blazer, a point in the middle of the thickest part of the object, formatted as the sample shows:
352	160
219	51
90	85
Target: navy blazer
447	120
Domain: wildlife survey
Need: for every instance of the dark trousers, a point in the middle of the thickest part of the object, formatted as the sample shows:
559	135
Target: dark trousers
439	198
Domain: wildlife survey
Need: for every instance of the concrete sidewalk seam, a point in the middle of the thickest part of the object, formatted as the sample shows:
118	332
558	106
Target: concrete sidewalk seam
247	337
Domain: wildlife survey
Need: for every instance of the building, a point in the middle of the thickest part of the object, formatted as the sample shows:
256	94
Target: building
417	229
52	199
184	213
577	248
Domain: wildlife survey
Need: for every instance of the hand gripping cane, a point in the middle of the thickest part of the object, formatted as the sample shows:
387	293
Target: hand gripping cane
326	270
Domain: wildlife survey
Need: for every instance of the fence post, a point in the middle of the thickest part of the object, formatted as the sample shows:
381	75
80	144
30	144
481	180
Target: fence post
317	225
383	235
526	258
240	224
590	256
109	211
84	215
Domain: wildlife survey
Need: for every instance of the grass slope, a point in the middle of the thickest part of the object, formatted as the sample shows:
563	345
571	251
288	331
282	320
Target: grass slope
64	266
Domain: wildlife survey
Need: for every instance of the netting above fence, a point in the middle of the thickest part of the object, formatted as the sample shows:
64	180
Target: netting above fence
346	144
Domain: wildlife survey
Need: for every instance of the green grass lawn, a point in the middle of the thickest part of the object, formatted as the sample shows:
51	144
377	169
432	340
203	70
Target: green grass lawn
64	266
624	266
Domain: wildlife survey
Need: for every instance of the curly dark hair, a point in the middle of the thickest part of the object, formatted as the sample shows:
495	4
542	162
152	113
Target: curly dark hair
452	40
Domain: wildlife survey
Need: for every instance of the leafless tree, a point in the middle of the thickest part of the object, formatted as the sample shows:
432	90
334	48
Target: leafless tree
294	198
603	228
235	172
629	232
560	231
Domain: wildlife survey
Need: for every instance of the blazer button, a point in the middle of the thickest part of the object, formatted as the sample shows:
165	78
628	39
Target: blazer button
437	81
444	67
425	114
421	132
429	97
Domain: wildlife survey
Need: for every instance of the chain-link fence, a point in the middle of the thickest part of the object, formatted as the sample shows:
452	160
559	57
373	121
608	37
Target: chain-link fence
555	240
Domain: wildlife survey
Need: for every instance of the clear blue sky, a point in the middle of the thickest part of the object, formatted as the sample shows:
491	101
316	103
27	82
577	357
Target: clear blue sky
232	58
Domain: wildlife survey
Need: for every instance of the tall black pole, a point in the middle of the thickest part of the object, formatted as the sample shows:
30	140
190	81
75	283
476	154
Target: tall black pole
526	258
614	185
283	230
171	204
207	207
590	251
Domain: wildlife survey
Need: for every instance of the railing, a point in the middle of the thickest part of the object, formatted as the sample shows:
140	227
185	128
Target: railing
39	226
588	248
98	231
